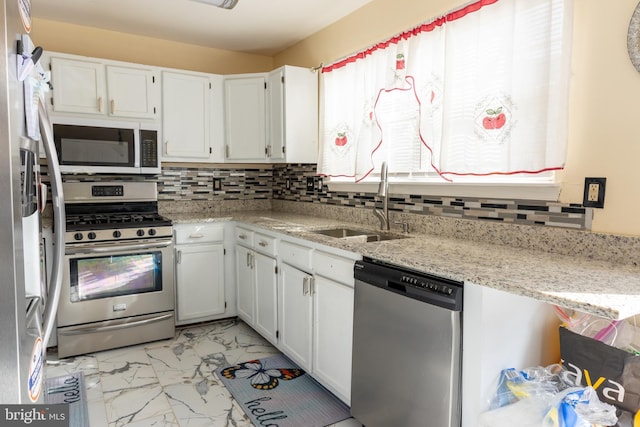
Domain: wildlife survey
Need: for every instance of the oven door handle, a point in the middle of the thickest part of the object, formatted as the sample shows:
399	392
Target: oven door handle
124	325
117	248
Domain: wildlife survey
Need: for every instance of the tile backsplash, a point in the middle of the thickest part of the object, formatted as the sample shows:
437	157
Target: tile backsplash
227	189
288	182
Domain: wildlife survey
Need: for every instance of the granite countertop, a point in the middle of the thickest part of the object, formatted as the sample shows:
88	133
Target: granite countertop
597	287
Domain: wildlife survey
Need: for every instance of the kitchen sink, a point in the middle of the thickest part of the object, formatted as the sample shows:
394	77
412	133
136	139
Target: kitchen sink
355	234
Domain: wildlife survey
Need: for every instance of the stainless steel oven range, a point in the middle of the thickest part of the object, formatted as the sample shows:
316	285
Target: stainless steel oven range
118	279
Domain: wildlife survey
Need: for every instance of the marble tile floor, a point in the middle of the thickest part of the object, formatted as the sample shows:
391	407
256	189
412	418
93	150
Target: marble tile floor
170	382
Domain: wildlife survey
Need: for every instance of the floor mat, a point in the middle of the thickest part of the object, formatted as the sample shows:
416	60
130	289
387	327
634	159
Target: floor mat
69	389
275	391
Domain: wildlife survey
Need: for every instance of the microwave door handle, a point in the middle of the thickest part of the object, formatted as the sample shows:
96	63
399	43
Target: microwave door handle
57	196
136	148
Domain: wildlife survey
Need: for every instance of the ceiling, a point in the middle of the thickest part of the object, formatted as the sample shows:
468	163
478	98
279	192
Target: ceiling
263	27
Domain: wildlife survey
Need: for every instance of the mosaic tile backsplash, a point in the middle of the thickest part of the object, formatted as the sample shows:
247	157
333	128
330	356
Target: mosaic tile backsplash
229	189
288	182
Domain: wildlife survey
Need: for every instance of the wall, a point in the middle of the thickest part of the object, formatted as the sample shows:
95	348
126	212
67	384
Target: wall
603	132
94	42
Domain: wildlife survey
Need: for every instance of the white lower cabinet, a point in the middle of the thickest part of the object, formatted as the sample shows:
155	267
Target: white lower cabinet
200	278
295	307
266	320
244	284
256	281
300	298
333	335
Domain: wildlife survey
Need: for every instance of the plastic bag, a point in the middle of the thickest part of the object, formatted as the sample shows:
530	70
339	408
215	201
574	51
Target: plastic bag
514	385
579	407
540	397
623	334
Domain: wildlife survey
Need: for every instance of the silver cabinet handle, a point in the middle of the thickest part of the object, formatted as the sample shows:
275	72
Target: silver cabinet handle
312	285
179	257
226	151
248	259
263	243
112	105
242	236
305	286
100	104
196	236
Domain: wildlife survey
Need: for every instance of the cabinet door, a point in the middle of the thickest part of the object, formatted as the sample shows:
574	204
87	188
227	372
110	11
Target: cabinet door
131	92
333	335
79	86
185	116
245	283
275	103
266	320
293	115
245	119
294	315
200	281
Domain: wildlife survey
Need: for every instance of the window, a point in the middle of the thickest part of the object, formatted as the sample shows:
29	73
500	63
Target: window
478	95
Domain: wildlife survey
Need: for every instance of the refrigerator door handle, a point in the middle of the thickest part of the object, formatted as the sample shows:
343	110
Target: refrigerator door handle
55	282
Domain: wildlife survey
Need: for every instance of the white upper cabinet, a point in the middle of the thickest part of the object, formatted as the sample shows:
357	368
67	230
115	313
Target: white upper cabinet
191	116
272	117
100	88
131	92
292	98
245	117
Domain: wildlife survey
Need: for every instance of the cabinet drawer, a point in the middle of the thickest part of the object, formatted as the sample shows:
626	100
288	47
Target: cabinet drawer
296	255
198	233
334	267
265	244
244	237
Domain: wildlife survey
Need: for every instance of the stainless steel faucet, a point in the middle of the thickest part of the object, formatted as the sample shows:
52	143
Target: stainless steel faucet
383	192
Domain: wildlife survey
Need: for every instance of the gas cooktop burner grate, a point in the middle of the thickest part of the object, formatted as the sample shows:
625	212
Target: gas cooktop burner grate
104	221
97	219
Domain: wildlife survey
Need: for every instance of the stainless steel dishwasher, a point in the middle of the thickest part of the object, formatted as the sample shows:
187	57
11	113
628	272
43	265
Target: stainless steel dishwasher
406	347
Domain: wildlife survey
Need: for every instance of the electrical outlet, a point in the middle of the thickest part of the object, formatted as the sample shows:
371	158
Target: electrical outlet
320	184
594	192
217	184
310	184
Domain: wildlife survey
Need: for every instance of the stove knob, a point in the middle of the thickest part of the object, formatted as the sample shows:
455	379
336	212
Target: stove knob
117	234
152	232
78	236
140	232
91	235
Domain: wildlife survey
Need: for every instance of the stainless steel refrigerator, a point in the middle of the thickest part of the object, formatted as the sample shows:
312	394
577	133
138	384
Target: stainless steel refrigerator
27	303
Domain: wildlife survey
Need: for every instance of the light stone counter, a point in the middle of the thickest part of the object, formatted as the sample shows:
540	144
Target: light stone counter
599	287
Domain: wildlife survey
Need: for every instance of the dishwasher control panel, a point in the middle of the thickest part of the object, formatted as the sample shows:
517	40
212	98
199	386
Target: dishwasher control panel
414	284
432	285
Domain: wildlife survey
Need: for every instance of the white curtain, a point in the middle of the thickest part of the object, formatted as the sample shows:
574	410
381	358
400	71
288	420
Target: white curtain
481	91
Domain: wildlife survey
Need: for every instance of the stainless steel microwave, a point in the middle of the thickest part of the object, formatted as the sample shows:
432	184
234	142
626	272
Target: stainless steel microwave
92	147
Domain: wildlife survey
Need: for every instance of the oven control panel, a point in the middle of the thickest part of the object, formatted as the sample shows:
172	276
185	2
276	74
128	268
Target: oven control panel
118	234
107	190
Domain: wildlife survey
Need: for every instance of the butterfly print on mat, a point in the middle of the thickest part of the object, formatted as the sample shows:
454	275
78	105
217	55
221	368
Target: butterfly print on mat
262	378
